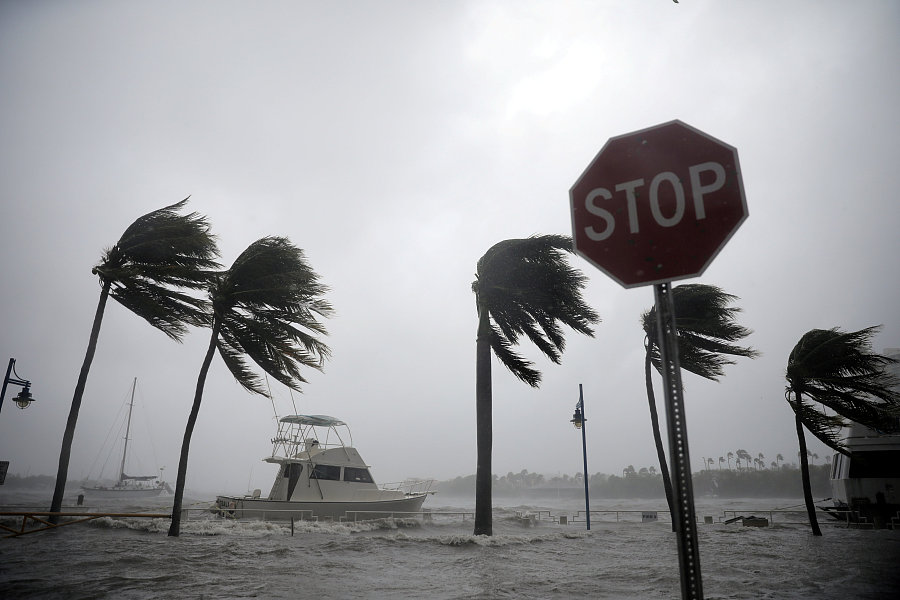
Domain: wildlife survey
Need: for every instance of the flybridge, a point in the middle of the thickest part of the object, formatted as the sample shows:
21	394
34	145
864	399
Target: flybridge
308	433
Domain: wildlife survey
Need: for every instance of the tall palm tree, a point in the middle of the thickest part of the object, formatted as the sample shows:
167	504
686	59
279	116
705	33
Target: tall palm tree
159	254
267	307
730	456
522	287
835	371
707	329
721	460
745	457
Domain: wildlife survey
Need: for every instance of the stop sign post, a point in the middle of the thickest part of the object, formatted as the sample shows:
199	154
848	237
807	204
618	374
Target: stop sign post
658	204
654	206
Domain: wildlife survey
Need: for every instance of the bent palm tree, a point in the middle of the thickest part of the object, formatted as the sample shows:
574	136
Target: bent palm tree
706	327
266	306
159	253
832	369
522	287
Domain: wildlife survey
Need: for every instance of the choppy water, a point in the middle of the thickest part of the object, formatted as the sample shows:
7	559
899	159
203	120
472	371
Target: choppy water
441	559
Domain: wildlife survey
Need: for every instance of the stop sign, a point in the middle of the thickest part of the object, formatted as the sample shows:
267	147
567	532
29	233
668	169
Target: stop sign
658	204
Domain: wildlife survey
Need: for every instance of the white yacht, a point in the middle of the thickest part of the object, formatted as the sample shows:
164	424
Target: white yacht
866	485
322	477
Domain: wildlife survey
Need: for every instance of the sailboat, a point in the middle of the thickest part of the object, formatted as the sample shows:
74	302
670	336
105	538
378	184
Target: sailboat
129	486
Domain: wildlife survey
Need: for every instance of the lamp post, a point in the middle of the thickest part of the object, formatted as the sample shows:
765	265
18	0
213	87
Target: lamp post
23	399
578	421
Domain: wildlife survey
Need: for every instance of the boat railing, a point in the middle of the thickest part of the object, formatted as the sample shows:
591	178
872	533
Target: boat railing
410	487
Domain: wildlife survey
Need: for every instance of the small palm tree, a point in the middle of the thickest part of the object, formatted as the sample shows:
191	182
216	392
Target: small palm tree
522	287
836	371
778	459
707	328
721	460
267	307
145	271
730	456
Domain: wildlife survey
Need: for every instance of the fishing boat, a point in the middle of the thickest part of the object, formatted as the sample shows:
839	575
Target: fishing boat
129	486
322	477
865	486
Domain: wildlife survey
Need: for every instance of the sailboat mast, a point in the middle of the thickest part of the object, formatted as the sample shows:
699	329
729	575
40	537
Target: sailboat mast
127	432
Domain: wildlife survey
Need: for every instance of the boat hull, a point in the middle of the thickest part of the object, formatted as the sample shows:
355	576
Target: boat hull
285	510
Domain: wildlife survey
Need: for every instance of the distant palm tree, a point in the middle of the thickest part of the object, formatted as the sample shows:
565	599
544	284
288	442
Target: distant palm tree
721	460
267	307
778	459
709	463
745	457
706	328
523	287
737	464
145	271
730	456
835	370
773	464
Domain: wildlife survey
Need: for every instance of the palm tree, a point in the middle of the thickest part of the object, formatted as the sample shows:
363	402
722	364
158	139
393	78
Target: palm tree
721	460
706	327
778	459
745	457
267	307
730	456
709	463
522	287
835	370
157	255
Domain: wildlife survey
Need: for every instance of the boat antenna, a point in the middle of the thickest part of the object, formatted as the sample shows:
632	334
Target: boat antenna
294	404
271	397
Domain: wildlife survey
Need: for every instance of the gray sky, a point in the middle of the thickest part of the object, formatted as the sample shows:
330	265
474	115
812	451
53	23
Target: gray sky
395	142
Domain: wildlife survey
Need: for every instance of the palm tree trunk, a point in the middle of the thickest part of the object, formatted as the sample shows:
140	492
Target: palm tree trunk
483	426
175	527
69	434
804	471
657	436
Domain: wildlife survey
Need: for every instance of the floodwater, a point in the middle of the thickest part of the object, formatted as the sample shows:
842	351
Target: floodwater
531	555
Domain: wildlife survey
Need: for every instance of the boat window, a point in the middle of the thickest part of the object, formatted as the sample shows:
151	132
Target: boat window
877	463
292	470
329	472
357	474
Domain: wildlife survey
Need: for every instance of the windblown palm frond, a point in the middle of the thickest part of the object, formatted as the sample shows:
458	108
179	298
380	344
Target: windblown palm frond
838	370
825	427
268	305
527	288
159	253
707	328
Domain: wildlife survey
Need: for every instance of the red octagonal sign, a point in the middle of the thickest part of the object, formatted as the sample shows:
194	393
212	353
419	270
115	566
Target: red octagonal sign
658	204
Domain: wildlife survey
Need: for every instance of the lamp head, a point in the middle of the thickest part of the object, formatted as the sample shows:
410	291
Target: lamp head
24	398
577	419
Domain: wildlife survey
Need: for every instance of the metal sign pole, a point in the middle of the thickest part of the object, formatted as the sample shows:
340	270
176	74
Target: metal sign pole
683	490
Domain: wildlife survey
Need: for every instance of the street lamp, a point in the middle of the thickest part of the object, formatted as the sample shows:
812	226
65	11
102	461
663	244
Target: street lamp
23	398
579	421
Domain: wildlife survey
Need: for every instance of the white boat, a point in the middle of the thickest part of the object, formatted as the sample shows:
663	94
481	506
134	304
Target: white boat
865	486
321	477
129	486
